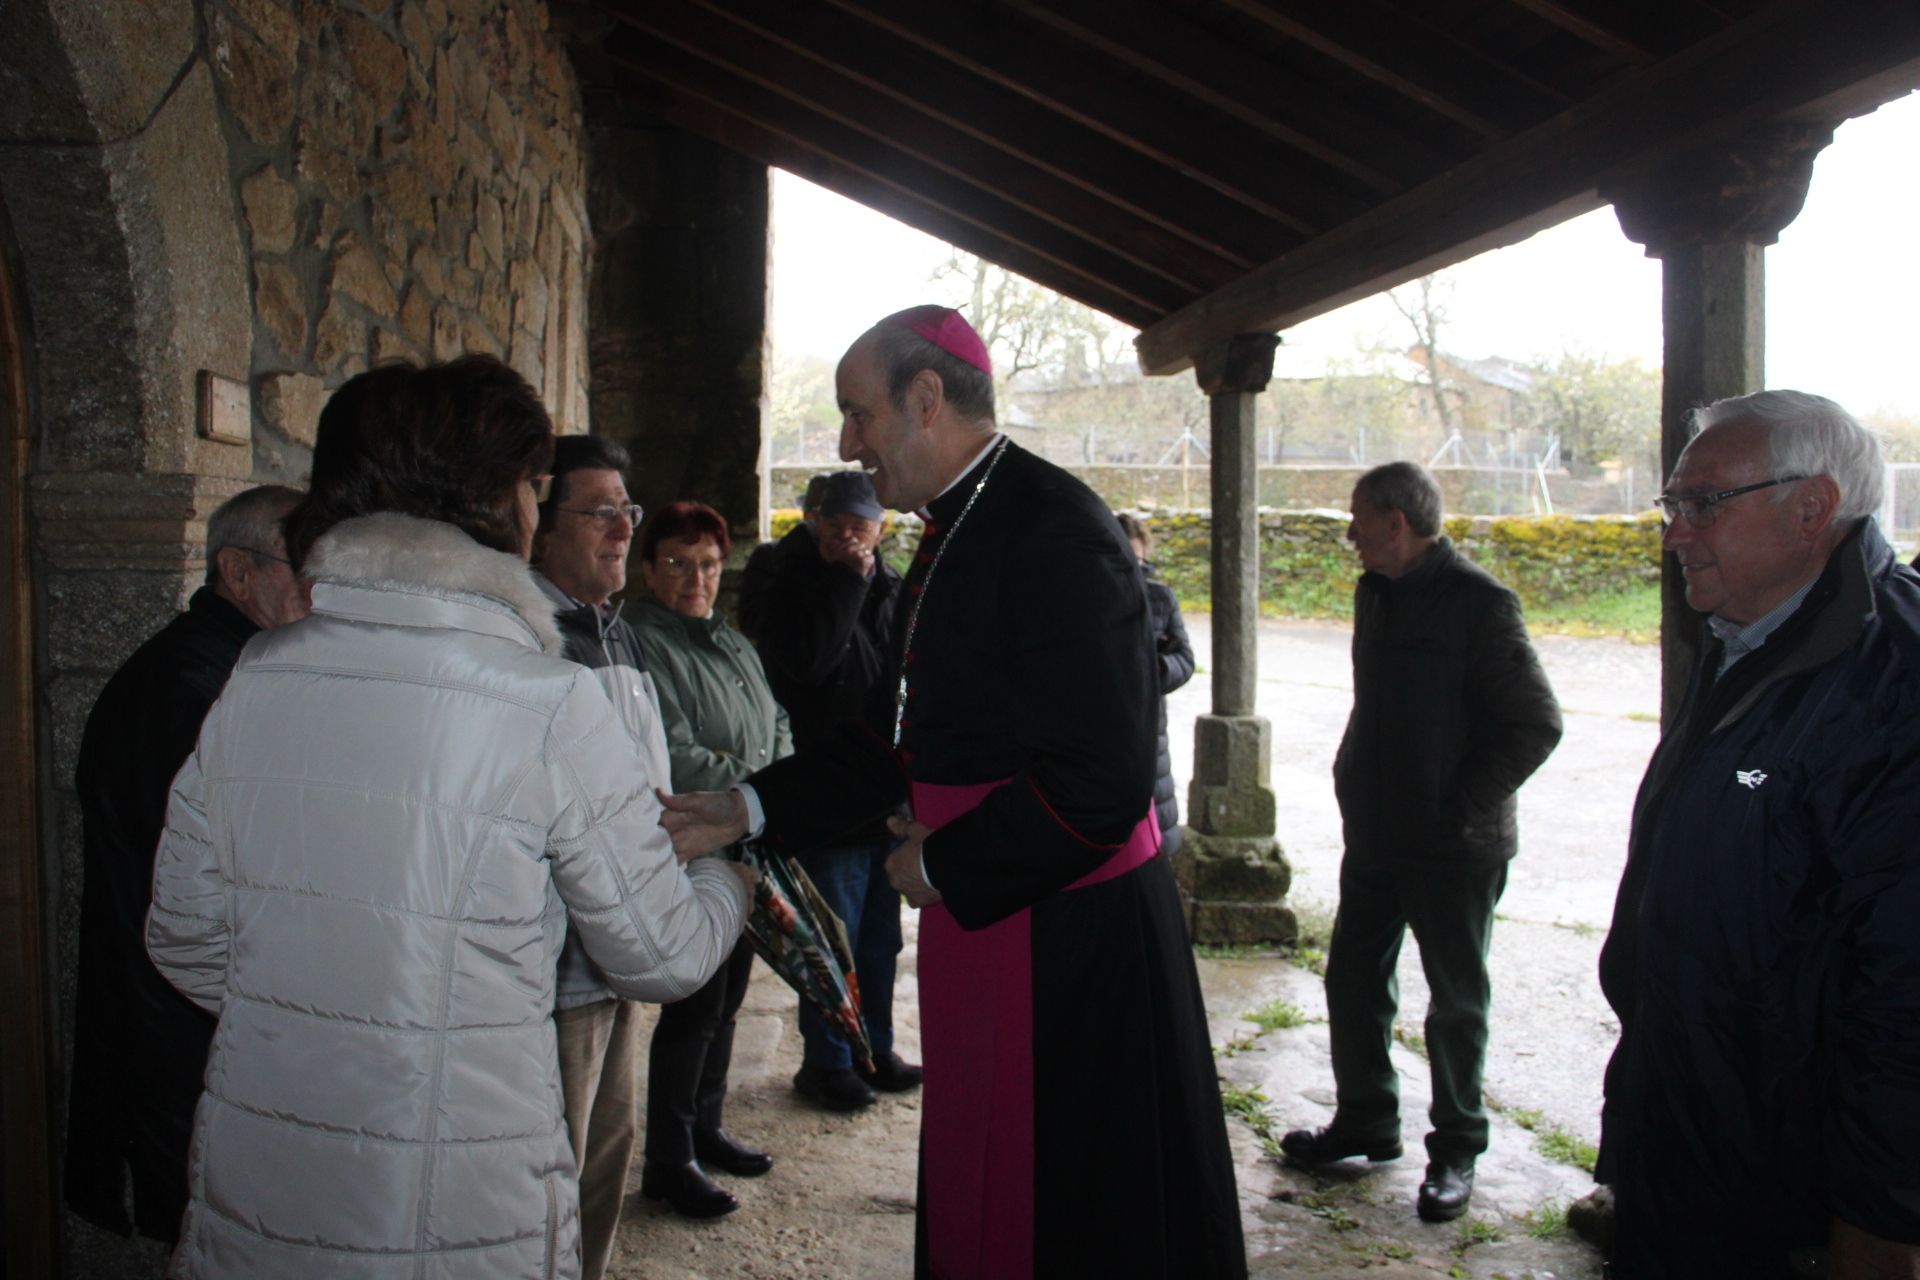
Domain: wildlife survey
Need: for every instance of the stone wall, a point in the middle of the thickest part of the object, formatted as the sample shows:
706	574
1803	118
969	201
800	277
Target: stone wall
410	181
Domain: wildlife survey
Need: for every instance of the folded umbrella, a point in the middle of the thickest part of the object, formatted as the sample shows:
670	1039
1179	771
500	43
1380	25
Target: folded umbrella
801	939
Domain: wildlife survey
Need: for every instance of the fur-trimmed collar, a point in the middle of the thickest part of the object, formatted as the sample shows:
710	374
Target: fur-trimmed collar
407	553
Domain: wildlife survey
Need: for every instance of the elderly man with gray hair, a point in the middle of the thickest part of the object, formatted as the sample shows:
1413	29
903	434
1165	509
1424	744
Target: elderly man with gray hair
1762	1112
140	1047
1451	713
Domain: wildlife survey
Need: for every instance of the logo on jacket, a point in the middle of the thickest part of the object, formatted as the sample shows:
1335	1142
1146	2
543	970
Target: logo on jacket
1749	778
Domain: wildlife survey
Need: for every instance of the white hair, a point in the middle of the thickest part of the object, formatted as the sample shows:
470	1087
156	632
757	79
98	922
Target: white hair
1809	435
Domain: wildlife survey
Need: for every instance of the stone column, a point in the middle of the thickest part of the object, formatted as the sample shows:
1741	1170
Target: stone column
1707	215
1233	875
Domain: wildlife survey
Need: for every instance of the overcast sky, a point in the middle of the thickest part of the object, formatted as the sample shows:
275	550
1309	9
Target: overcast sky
1843	284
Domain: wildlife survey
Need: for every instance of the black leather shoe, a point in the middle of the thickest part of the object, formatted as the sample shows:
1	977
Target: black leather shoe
839	1090
1327	1144
891	1074
1446	1192
687	1191
718	1149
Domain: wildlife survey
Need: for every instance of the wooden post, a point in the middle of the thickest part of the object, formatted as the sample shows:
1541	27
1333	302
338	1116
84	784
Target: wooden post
1707	215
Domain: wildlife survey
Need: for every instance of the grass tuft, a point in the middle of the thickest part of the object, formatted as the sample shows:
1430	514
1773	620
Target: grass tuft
1558	1145
1277	1015
1548	1222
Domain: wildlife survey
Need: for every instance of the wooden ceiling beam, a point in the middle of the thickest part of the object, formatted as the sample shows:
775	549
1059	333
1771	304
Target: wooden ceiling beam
1071	254
1003	48
1610	34
1772	65
1238	82
1423	64
913	132
906	73
749	138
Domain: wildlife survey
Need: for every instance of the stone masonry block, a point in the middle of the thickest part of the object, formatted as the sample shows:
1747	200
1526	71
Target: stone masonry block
1231	811
1215	869
1231	750
1242	923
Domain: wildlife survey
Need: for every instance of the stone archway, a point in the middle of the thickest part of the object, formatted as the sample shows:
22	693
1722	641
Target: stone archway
26	1176
123	277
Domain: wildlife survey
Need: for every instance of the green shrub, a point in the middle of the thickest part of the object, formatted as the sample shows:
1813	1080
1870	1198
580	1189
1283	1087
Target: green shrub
1596	575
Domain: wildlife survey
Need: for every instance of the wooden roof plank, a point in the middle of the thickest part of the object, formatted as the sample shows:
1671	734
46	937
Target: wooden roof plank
746	136
1614	33
903	72
1225	154
1072	253
1422	64
824	89
1235	81
1790	54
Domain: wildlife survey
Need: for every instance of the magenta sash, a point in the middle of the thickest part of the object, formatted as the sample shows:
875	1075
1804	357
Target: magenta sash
976	1033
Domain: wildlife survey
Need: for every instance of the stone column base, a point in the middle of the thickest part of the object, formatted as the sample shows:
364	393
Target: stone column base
1233	889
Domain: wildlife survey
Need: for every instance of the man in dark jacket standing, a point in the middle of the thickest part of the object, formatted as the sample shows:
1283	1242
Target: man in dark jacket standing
139	1046
1763	1103
1451	713
828	606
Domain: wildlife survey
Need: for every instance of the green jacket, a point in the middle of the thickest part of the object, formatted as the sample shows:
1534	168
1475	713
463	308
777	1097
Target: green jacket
721	720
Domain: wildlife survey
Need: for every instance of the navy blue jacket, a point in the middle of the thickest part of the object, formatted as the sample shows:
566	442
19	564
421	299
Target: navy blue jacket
1764	958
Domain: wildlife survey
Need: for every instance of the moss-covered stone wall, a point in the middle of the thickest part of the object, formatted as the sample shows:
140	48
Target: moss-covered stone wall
1308	568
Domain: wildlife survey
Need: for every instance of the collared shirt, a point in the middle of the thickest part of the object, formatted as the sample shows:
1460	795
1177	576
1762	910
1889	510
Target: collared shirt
965	471
1738	641
560	596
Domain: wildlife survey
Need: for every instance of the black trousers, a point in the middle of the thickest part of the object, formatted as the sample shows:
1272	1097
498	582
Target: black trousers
688	1060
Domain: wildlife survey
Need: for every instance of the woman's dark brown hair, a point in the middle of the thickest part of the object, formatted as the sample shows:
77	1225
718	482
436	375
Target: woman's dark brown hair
684	522
446	442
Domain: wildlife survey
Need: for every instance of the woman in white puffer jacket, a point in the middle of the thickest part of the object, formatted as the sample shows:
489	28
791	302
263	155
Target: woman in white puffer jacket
370	860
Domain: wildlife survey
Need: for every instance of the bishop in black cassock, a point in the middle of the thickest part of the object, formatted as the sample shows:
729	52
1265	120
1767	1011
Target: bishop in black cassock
1072	1119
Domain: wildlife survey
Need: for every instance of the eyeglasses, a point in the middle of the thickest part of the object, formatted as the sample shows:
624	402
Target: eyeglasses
266	555
606	514
1702	509
542	487
705	568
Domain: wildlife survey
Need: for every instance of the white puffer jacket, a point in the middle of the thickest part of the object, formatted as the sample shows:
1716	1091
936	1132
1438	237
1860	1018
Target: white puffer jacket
367	872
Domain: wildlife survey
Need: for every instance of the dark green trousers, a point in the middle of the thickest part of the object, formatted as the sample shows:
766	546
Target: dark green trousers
1450	910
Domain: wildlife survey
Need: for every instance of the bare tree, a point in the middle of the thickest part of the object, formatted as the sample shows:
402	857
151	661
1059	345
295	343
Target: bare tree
1425	311
1029	328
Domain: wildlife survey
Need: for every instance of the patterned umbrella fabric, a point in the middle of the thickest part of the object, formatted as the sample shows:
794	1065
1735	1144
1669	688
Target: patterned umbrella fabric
803	941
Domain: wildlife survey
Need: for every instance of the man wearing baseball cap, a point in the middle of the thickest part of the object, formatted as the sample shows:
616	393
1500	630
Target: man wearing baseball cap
827	608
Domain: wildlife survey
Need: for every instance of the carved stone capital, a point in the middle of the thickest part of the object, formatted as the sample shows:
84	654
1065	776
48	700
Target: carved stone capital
1745	189
1243	363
